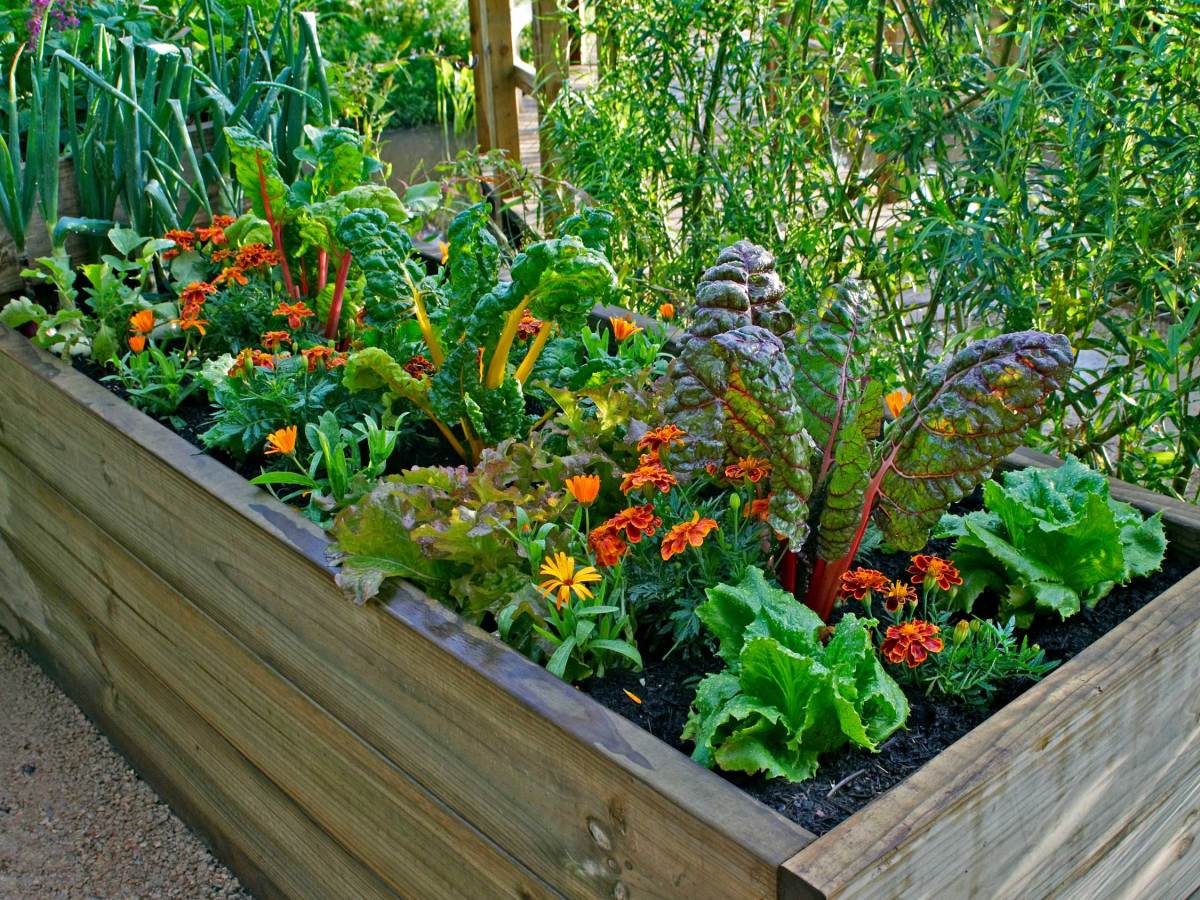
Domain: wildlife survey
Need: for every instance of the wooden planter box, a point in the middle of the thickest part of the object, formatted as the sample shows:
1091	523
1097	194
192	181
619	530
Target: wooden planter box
329	750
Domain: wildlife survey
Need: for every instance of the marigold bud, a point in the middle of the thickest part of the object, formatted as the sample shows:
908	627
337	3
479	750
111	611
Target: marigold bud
735	502
961	630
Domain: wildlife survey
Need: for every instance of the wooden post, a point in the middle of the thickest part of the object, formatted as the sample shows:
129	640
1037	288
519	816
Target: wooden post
495	82
551	60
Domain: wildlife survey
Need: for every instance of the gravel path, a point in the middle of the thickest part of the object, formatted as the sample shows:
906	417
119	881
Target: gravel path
75	821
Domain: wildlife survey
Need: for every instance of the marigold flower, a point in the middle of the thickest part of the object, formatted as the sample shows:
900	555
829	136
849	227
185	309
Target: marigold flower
563	579
184	240
211	234
584	488
926	569
191	322
193	296
666	310
757	509
528	327
221	255
142	321
256	256
282	442
663	436
607	544
418	367
337	360
911	643
319	353
896	400
222	221
623	327
896	594
685	534
857	583
750	467
295	312
231	274
273	339
650	471
635	522
250	358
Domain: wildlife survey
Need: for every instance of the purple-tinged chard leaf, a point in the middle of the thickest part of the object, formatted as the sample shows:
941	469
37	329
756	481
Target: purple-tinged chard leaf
965	416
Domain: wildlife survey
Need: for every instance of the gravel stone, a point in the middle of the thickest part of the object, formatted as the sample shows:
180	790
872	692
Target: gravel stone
75	820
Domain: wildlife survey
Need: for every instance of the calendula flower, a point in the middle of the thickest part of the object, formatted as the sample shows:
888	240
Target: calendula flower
857	583
896	400
650	471
750	467
528	327
623	327
584	488
663	436
142	321
445	250
911	643
934	570
685	534
282	442
635	522
607	544
757	509
137	342
295	312
418	367
562	579
314	355
231	274
273	339
896	594
666	311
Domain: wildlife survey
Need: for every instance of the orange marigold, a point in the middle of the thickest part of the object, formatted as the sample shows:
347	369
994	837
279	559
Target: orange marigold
221	255
635	522
934	569
222	221
896	594
188	322
231	274
250	359
211	234
142	321
184	240
418	367
748	467
757	509
663	436
295	312
857	583
273	339
685	534
650	471
256	256
528	327
607	545
193	296
911	643
319	353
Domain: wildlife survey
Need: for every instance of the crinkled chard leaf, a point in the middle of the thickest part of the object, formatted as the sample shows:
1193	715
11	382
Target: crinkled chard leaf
253	159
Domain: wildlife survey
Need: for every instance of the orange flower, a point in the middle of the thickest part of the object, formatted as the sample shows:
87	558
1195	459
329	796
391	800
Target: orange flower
142	322
338	359
272	339
282	442
563	579
213	234
666	310
231	273
663	436
607	545
934	569
187	322
650	471
250	358
749	467
314	355
632	696
193	296
220	221
294	312
911	643
256	256
757	509
896	594
584	488
859	582
635	522
418	367
528	327
184	240
684	534
623	328
221	255
896	400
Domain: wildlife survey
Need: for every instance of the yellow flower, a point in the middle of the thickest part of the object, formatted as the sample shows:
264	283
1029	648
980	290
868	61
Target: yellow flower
562	579
623	328
282	442
896	401
445	249
584	488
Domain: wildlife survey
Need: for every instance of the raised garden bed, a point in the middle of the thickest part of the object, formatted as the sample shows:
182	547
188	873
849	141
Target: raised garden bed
334	750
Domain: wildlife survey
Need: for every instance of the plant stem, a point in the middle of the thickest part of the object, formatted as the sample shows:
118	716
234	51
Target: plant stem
276	231
339	290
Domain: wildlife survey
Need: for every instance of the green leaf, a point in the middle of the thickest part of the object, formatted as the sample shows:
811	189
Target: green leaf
257	173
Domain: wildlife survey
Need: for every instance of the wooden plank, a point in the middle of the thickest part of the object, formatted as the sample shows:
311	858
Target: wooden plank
495	78
614	810
375	811
37	237
1086	785
274	847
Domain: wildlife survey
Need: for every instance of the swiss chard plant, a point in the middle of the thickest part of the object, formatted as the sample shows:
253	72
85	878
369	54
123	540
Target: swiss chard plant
1051	541
786	696
472	321
749	380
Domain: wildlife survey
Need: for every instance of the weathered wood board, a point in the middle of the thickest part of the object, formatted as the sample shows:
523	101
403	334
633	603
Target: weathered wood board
329	750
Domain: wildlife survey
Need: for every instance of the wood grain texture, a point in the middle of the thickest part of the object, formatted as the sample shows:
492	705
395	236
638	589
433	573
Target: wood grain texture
1086	786
591	804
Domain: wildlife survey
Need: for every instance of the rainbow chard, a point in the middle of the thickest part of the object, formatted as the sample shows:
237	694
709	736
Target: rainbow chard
966	414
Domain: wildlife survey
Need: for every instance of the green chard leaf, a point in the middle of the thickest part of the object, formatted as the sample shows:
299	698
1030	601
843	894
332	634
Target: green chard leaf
257	172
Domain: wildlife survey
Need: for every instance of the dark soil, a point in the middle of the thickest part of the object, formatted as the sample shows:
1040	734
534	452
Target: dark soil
850	779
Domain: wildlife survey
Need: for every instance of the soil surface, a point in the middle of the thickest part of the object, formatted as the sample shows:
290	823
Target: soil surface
75	821
850	779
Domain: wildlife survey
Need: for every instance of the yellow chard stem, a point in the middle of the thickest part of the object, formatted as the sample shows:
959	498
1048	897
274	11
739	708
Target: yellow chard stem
431	340
495	370
535	350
